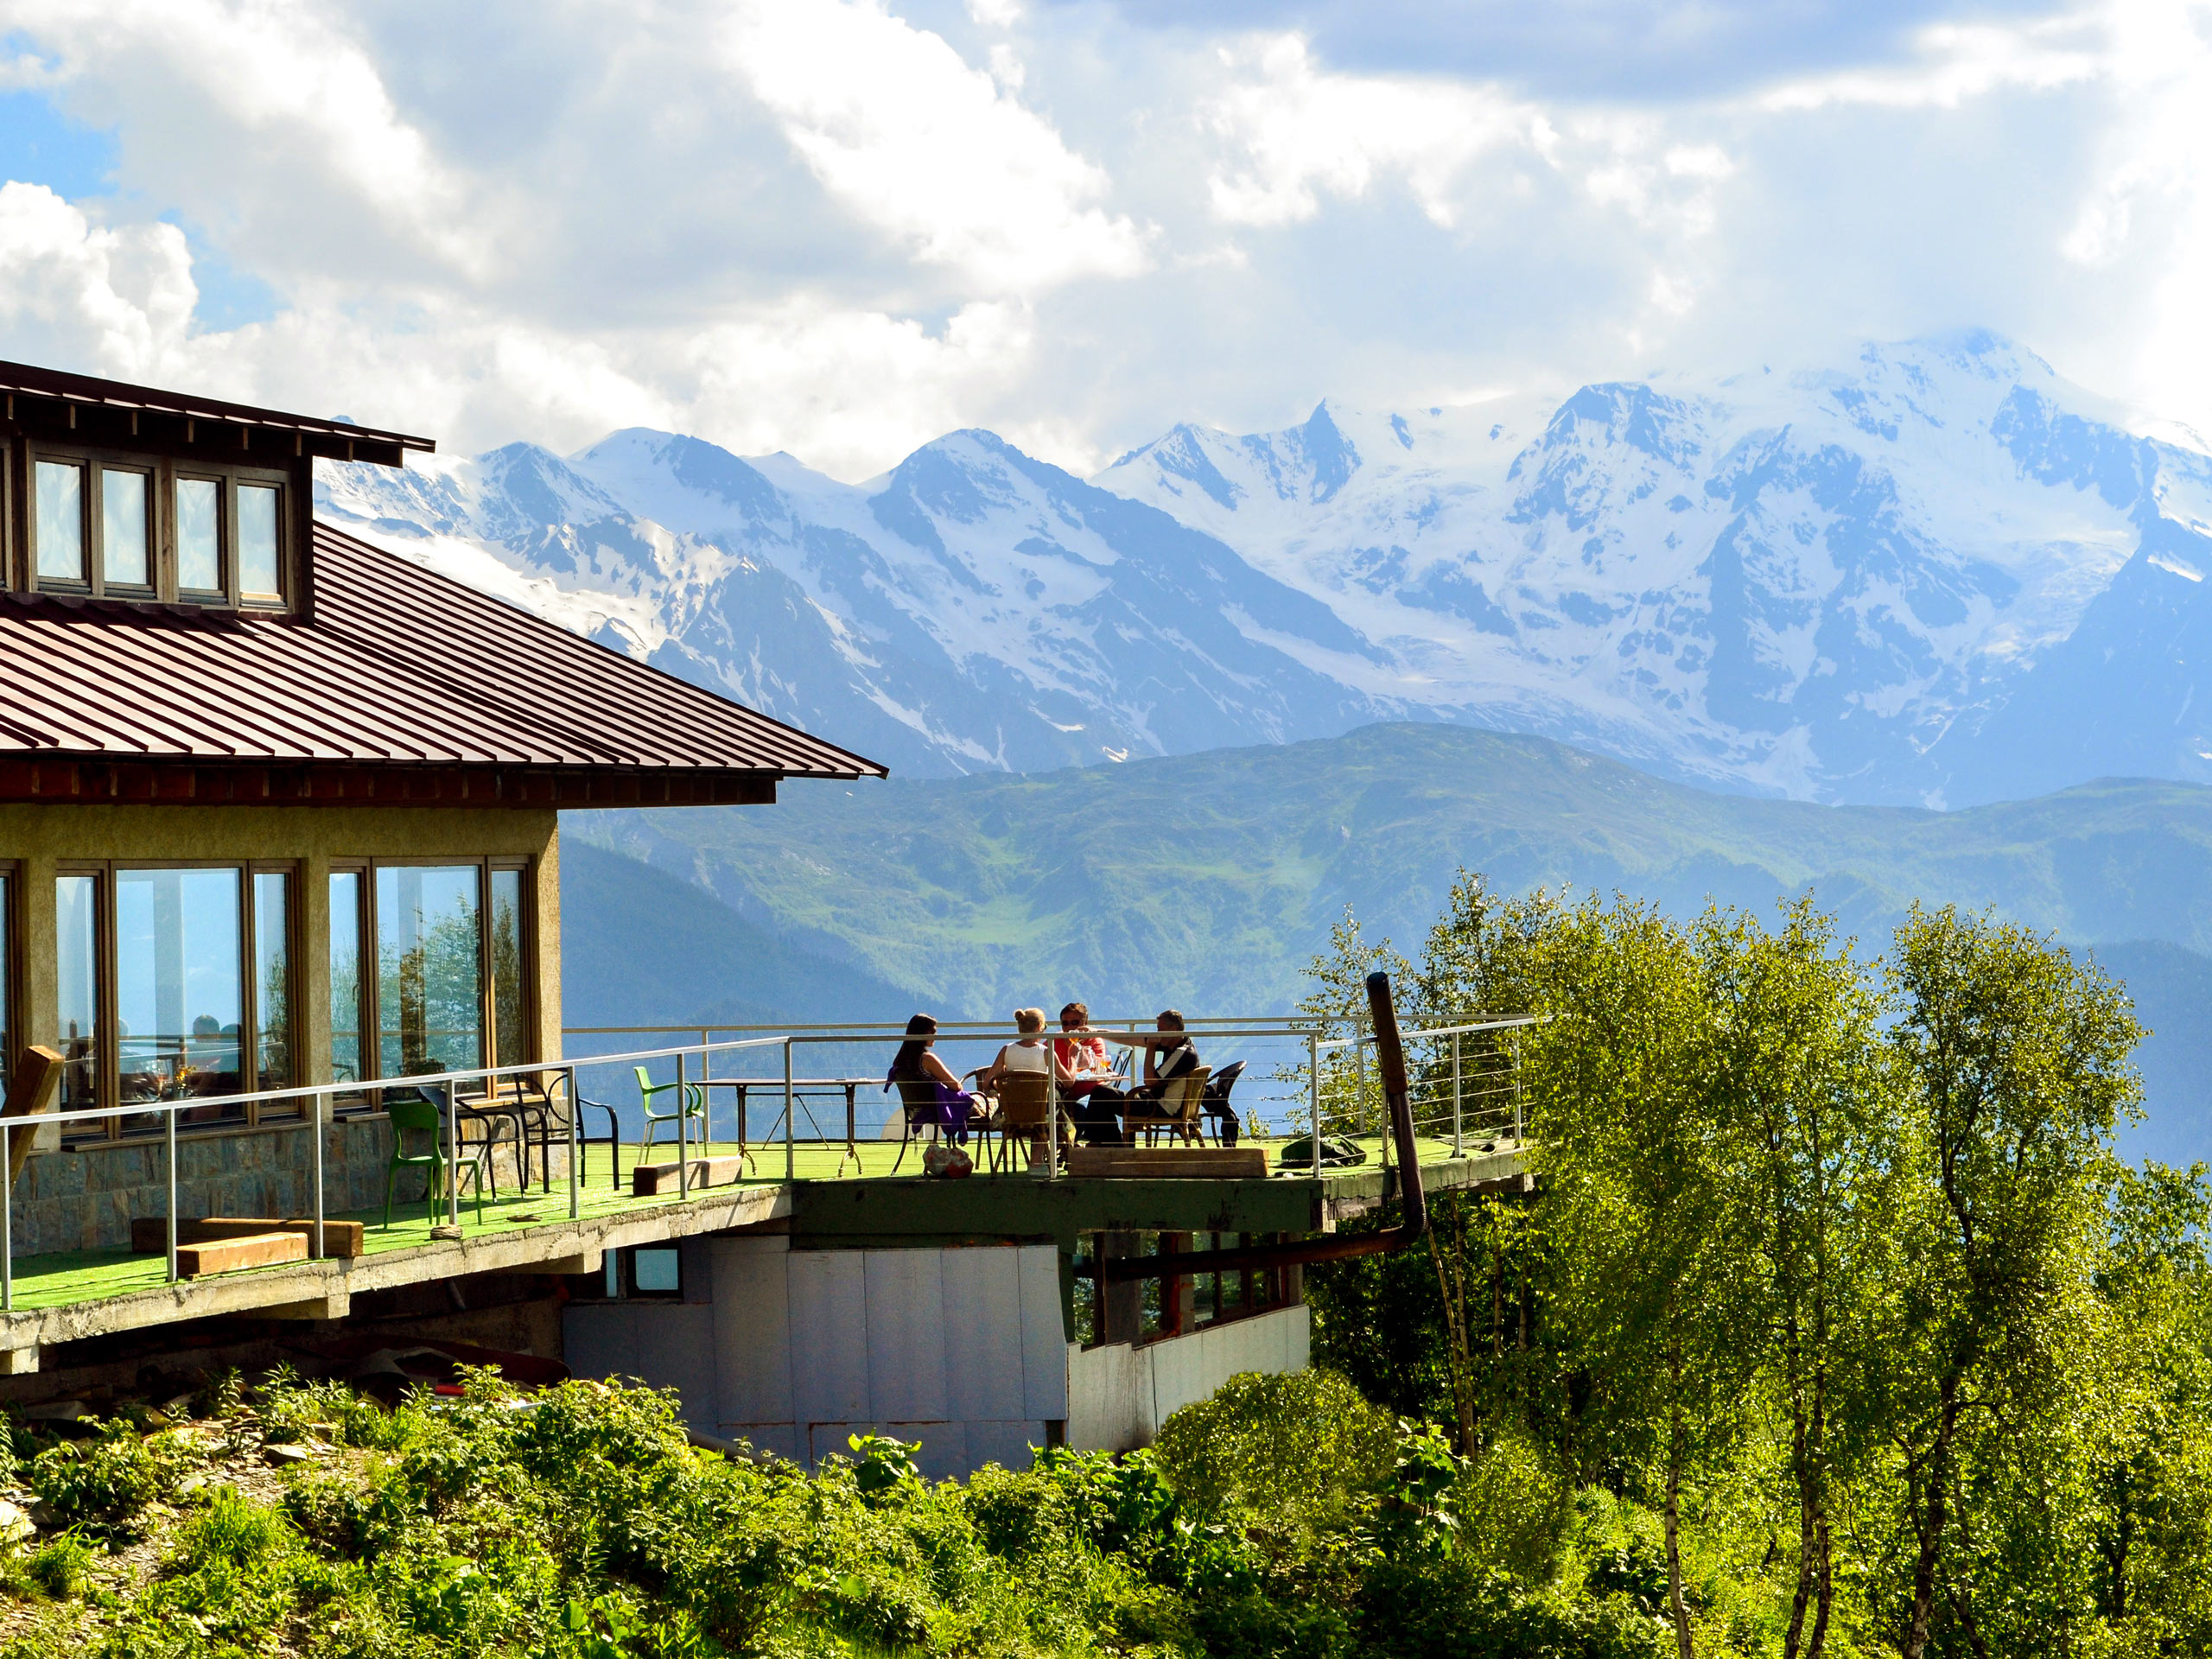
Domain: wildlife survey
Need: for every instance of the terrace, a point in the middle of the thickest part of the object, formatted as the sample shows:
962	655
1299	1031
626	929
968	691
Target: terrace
791	1138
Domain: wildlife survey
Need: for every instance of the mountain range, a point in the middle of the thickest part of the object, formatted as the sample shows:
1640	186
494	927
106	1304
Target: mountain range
1208	882
1937	573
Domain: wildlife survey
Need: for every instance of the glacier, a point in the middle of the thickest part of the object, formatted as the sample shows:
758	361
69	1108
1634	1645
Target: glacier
1936	574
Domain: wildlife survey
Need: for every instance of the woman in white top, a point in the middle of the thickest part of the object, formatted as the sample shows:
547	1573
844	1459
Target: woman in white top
1028	1052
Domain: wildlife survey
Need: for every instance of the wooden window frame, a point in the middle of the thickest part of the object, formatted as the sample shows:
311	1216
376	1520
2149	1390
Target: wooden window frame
486	996
12	1036
107	1088
162	474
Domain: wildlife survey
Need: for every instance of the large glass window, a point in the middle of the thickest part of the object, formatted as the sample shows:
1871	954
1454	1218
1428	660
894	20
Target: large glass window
126	527
61	512
198	535
257	571
77	954
346	976
429	968
180	991
510	1009
7	980
272	985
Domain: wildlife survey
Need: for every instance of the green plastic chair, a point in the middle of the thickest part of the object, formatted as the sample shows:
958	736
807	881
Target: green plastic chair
692	1105
423	1116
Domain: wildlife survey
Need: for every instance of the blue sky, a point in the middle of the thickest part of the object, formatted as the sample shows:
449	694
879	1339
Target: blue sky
841	227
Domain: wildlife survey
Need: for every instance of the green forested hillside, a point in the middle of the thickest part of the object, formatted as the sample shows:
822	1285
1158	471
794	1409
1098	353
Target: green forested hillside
1209	880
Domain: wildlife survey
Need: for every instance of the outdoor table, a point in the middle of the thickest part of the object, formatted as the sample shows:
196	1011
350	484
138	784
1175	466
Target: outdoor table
800	1086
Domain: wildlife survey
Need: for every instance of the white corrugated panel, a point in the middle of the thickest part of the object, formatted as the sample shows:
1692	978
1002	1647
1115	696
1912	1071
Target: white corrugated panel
1044	1335
752	1361
906	1337
982	1332
829	1336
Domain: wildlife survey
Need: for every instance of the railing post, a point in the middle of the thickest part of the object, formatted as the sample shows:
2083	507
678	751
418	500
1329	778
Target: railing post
1313	1083
453	1156
1516	1089
8	1219
1459	1127
682	1119
315	1130
575	1147
169	1140
1052	1117
791	1145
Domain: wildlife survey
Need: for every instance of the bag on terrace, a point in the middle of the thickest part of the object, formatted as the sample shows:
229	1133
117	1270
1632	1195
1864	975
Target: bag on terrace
1337	1153
946	1163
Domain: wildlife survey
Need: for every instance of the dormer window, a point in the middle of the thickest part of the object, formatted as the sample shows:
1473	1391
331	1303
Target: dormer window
118	527
112	492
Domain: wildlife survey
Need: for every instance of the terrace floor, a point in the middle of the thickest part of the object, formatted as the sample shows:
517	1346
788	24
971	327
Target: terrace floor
59	1297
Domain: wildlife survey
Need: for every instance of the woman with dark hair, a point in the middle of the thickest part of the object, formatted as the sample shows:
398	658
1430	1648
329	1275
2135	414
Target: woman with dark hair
931	1094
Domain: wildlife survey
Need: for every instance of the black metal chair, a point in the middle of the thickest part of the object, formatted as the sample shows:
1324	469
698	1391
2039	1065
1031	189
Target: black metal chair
1226	1127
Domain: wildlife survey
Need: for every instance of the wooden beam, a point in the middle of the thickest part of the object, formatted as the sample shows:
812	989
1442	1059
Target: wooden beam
36	1085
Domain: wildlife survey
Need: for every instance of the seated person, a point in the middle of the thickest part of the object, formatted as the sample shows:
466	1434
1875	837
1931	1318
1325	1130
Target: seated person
1168	1053
956	1110
1027	1052
1082	1057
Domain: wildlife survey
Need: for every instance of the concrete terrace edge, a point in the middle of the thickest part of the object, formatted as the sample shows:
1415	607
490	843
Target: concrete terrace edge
322	1289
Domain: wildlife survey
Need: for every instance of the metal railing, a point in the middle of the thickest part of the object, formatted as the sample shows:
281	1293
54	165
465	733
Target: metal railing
1467	1080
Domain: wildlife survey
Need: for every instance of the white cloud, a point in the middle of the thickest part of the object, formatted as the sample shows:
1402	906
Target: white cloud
938	154
843	226
1296	132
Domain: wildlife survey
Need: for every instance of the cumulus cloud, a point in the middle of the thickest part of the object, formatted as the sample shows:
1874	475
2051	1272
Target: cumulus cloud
939	154
842	226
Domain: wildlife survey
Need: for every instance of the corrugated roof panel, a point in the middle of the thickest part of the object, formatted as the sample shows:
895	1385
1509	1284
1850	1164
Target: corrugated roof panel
399	665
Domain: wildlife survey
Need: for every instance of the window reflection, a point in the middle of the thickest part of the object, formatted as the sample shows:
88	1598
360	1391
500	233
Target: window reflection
510	1040
124	544
76	927
346	976
257	571
199	538
180	994
7	987
272	987
60	510
429	969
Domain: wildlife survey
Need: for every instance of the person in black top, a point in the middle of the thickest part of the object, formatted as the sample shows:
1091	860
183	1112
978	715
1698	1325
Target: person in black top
1168	1053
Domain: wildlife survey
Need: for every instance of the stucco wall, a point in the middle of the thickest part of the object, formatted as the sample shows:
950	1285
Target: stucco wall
39	837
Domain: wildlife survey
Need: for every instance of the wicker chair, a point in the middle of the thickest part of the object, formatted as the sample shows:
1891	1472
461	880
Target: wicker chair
1024	1106
1179	1110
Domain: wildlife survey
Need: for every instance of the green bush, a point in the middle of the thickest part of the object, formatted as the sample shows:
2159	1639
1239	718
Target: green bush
1289	1457
1451	1607
102	1485
61	1565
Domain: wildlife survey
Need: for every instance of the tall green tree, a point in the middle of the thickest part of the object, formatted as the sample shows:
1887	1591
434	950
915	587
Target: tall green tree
1814	1124
2016	1058
1635	1150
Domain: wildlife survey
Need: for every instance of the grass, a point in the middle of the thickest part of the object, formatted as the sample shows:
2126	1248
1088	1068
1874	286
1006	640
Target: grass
64	1277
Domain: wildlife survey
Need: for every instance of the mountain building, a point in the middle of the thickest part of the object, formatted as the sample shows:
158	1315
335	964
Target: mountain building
279	875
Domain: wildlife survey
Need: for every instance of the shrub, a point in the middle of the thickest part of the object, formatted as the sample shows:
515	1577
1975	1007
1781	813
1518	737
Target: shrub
1449	1607
102	1485
1290	1456
61	1565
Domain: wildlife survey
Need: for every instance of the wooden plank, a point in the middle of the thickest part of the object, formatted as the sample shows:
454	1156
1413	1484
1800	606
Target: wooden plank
228	1255
647	1180
149	1235
1151	1163
36	1086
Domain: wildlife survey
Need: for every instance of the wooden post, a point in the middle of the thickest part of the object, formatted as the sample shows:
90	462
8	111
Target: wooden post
36	1085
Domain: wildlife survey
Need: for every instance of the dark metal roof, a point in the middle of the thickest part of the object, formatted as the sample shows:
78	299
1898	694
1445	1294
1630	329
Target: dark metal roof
396	667
83	391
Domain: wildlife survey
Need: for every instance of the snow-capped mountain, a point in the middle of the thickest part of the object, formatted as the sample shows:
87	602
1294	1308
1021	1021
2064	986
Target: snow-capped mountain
975	610
1939	573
